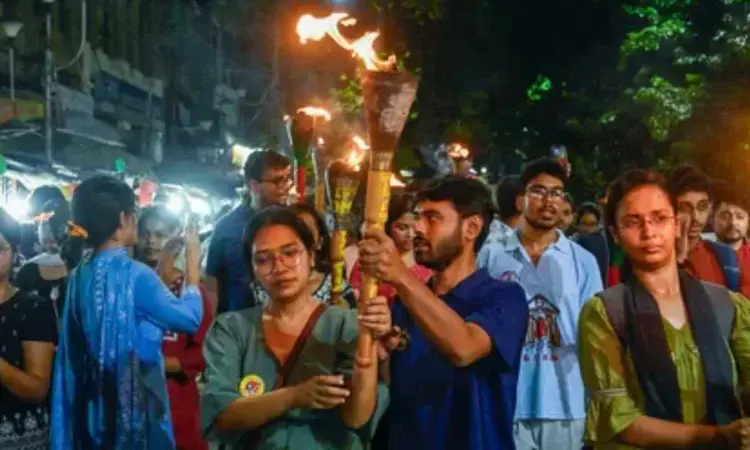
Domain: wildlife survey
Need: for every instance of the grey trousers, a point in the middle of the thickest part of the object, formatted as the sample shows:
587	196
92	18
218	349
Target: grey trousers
549	434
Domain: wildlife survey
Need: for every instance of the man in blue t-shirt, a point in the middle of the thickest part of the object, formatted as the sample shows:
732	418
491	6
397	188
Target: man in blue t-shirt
454	385
269	180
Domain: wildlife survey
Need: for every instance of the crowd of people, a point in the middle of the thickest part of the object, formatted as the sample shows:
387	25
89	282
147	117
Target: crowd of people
524	321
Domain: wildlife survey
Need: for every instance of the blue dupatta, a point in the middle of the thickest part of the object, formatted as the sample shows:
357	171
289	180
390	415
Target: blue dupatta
107	393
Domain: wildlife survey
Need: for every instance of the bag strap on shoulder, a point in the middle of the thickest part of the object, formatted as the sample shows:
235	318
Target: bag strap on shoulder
730	267
614	304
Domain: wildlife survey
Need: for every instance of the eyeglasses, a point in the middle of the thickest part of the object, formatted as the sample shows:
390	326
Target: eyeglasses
688	208
638	223
288	258
541	192
280	181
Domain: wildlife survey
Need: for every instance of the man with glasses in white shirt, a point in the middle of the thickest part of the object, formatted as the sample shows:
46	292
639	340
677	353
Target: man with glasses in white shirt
558	276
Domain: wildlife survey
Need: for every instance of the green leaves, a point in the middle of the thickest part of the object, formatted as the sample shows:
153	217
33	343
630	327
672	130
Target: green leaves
539	88
668	104
650	38
348	98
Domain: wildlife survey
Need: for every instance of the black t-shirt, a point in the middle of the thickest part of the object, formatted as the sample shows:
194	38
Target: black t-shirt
24	318
29	279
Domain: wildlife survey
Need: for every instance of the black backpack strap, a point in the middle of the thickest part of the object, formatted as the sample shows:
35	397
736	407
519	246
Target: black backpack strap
721	302
723	307
614	304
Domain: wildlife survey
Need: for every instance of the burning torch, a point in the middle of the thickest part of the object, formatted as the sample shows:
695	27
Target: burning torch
303	130
388	96
343	181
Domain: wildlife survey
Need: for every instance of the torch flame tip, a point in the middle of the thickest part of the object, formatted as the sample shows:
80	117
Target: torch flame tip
312	28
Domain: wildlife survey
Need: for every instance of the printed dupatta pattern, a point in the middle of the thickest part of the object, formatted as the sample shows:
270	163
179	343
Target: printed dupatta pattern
105	395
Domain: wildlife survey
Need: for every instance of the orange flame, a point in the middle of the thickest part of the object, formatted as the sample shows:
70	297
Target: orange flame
315	112
458	151
361	144
321	141
315	29
354	160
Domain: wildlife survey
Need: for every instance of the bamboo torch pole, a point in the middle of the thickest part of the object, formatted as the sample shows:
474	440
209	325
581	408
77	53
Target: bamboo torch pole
388	97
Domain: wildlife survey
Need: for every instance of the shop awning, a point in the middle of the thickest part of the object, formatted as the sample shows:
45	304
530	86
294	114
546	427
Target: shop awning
88	147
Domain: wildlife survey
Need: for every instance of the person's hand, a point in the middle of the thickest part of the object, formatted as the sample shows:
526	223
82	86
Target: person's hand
389	342
378	257
735	436
173	246
192	240
682	248
376	316
321	392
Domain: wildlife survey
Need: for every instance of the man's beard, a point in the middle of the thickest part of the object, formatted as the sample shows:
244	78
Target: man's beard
539	225
731	238
442	255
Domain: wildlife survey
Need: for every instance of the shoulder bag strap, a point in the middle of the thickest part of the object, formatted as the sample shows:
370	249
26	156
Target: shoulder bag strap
299	344
251	439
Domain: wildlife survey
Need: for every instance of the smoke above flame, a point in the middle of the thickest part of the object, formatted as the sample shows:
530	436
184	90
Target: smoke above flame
311	28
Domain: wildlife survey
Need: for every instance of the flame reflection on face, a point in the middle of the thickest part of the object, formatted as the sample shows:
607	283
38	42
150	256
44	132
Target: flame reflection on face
315	29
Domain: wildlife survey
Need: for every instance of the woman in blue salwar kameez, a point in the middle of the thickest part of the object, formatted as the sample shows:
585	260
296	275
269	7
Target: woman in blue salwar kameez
109	387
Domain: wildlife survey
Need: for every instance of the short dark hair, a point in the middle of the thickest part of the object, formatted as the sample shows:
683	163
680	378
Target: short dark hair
547	166
469	196
630	181
58	222
259	162
686	178
271	216
399	205
323	254
40	199
507	192
589	208
160	213
98	203
725	194
10	229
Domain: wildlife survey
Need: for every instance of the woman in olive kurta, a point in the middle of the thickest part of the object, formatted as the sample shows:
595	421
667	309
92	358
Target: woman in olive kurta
658	371
282	376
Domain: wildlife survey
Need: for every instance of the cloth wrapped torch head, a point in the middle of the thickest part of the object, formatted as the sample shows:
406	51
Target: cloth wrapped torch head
388	97
343	182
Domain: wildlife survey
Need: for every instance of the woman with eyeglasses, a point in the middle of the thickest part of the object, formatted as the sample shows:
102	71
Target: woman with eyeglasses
665	358
282	375
320	283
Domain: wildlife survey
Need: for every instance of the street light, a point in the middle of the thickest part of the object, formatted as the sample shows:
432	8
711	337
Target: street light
11	28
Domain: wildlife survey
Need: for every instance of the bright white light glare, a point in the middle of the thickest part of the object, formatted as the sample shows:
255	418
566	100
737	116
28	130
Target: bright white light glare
200	206
484	170
242	151
395	182
17	207
175	203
